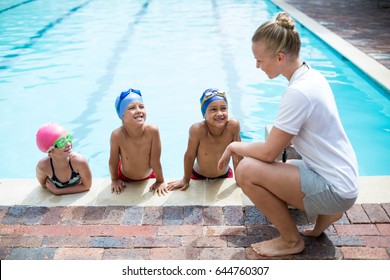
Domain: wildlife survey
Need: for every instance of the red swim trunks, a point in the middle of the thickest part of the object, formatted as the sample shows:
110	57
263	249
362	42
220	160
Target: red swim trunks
197	176
125	179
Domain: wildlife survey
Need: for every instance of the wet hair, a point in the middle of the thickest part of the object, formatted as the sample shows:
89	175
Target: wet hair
279	35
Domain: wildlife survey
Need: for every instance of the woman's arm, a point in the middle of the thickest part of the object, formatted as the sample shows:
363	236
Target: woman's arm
266	151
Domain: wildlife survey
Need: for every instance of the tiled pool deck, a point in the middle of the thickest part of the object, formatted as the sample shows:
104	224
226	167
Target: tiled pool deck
359	22
211	220
179	232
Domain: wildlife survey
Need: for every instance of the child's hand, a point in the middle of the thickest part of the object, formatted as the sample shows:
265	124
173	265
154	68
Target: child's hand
117	186
159	187
179	184
50	186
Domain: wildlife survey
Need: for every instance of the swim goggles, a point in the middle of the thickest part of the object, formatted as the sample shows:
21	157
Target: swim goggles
211	94
60	143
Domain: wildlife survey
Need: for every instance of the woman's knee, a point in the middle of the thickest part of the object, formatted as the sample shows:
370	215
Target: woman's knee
242	171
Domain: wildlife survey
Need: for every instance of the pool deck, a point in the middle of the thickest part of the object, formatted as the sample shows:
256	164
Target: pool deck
211	220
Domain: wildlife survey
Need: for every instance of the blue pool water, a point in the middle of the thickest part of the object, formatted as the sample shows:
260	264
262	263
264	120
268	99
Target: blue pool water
66	61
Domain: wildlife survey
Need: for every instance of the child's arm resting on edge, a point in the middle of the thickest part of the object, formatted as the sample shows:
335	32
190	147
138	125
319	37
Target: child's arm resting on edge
189	159
116	184
159	186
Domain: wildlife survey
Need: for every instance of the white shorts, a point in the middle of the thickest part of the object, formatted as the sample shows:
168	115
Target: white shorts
320	195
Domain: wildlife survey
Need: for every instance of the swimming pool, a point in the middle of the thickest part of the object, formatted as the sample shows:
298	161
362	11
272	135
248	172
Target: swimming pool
67	61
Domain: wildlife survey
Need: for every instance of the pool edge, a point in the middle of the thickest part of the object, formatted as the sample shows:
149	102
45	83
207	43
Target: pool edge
372	189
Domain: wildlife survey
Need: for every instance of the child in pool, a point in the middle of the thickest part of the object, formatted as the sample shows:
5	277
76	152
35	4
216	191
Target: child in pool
62	171
207	141
135	147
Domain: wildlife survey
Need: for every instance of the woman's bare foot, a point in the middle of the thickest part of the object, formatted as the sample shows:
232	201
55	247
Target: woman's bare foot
322	223
278	247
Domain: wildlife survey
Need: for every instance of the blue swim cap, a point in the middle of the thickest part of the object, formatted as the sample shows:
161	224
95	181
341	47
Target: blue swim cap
126	97
210	95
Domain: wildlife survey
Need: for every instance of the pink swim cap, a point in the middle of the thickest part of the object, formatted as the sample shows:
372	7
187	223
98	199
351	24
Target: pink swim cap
47	134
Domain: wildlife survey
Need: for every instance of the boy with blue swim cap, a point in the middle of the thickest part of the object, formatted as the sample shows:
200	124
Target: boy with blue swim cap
208	140
135	147
125	98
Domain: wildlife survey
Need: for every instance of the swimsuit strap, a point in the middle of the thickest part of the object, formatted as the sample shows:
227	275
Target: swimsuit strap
74	177
54	177
71	167
74	173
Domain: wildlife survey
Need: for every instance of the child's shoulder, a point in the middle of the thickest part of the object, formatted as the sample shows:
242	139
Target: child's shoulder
42	163
198	127
233	122
118	131
77	157
233	126
151	127
78	160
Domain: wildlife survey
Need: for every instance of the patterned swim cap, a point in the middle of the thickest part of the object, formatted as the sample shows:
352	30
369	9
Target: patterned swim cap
210	95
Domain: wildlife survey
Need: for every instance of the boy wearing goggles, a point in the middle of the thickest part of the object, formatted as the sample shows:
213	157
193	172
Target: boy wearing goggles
62	171
135	147
208	140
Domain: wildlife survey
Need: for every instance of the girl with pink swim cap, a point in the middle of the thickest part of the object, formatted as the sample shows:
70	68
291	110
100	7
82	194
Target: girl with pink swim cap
62	171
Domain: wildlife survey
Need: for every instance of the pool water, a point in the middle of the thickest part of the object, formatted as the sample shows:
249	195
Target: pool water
66	61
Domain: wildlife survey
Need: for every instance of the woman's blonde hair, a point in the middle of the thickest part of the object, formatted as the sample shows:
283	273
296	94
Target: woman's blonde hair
279	35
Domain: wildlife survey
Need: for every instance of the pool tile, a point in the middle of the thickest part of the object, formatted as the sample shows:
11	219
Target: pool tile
233	215
113	215
173	215
32	254
213	215
14	215
126	254
193	215
34	215
153	215
376	213
133	215
254	216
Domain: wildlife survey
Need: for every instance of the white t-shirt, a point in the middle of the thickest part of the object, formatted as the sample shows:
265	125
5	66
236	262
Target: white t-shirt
308	111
